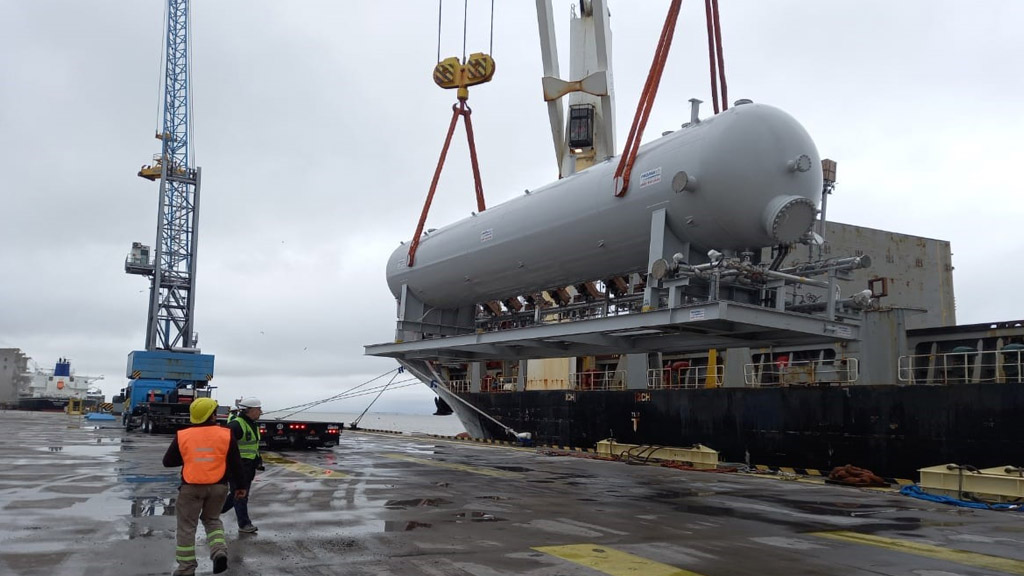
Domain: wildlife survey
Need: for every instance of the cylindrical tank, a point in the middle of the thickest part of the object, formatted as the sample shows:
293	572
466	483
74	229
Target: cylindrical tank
744	179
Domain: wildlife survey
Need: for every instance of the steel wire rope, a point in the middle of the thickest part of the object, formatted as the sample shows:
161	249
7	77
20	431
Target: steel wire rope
160	73
342	396
300	407
189	95
303	407
355	423
397	386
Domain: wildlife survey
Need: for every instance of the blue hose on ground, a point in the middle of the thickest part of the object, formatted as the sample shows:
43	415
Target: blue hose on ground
915	491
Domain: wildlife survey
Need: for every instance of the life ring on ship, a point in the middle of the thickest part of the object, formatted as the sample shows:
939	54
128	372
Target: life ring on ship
60	384
587	381
676	369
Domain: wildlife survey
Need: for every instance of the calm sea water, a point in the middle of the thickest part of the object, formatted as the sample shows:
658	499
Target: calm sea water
408	423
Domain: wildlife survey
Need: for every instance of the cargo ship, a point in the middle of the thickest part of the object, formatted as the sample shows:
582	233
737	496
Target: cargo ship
50	390
706	300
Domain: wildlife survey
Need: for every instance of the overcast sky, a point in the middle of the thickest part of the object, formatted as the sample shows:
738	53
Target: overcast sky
317	126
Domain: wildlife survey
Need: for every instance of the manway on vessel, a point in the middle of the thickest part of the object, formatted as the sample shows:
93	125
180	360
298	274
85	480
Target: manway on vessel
712	303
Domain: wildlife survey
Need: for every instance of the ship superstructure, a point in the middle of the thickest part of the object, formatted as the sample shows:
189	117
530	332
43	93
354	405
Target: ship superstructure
51	389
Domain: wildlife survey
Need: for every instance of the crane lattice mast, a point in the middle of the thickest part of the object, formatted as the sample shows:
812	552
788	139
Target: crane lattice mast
173	268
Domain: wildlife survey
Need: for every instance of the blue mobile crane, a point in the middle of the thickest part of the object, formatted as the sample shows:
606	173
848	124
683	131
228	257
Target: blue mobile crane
171	371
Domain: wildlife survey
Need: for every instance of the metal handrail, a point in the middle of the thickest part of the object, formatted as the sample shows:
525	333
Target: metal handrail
807	372
995	366
458	385
690	378
599	380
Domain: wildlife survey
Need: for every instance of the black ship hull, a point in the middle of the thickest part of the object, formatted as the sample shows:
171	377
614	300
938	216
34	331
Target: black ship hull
891	430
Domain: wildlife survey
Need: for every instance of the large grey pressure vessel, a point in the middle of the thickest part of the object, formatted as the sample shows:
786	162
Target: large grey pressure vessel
744	179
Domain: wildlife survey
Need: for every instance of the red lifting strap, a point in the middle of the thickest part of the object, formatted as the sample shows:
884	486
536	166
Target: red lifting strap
715	58
460	109
643	109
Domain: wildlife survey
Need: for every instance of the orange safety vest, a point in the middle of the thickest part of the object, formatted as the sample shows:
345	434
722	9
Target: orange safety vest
204	449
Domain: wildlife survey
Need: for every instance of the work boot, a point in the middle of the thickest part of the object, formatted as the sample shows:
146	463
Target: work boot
220	563
248	529
180	573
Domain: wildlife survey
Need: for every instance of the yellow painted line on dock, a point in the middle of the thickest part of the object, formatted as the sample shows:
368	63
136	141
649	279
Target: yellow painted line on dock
301	468
611	561
454	466
986	561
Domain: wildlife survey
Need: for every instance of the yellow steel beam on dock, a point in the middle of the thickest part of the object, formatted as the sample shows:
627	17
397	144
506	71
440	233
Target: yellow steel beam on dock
611	561
1006	565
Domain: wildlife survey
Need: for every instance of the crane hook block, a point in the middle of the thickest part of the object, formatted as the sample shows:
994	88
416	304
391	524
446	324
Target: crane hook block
451	73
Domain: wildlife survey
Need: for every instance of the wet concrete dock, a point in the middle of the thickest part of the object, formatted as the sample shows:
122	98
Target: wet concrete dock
77	499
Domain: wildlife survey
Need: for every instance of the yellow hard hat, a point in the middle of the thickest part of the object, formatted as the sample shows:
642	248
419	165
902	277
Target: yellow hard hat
201	409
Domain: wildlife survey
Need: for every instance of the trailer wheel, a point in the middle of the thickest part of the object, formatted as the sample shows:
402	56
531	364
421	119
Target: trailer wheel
147	424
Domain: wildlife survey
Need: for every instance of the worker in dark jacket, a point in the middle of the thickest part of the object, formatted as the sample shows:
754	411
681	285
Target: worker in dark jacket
247	433
209	457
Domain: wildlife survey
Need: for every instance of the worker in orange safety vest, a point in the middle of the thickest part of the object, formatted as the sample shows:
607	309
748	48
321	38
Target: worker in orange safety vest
209	458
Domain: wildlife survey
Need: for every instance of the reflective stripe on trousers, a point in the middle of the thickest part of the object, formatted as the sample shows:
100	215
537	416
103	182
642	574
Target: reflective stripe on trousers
199	503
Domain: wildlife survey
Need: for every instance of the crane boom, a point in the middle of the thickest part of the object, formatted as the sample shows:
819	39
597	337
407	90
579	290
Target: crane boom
170	372
172	304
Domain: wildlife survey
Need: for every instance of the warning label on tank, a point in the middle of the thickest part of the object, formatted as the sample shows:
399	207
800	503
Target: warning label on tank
486	235
650	177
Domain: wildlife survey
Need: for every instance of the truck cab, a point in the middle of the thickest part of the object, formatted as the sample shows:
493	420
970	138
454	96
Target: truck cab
163	386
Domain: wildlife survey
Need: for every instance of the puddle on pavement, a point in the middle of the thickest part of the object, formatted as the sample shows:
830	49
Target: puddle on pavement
143	478
401	526
513	468
151	506
101	447
415	502
479	517
676	494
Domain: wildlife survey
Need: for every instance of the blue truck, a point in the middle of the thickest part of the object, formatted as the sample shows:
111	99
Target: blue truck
163	385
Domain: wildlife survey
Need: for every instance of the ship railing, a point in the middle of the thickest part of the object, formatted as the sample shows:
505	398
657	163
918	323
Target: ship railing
458	385
801	373
558	314
992	366
499	384
599	380
680	378
505	384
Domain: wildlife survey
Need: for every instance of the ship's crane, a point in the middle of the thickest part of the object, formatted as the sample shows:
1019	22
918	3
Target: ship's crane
170	372
589	137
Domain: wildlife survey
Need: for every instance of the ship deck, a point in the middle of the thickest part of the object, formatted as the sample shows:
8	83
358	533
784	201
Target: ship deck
80	499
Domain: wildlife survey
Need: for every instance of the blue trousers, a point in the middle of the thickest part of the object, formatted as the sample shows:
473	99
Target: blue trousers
241	505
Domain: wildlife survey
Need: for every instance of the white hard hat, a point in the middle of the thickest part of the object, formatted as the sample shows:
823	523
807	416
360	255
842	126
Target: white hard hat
249	402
